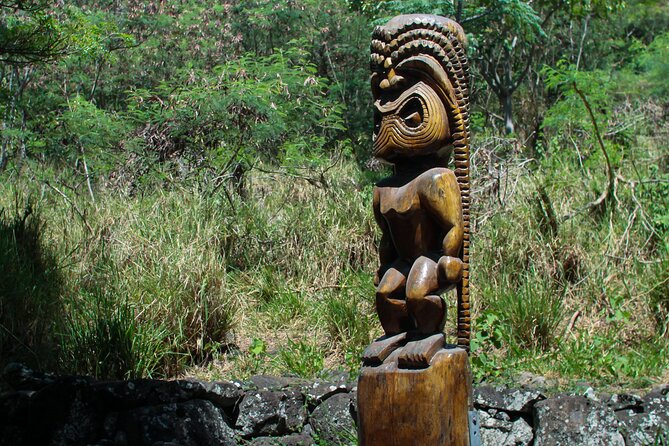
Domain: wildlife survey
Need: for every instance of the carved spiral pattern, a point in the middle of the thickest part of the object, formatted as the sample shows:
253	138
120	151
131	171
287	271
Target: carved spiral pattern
395	134
444	40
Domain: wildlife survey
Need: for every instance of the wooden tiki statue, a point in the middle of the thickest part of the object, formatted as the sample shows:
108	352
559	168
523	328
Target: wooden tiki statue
420	87
413	387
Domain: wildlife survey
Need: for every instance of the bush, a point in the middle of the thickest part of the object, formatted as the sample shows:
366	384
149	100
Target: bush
104	339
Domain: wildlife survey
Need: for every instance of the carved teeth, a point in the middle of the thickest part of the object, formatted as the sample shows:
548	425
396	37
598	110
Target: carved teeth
396	80
388	63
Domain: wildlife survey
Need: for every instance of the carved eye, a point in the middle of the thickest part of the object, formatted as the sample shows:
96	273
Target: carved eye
412	113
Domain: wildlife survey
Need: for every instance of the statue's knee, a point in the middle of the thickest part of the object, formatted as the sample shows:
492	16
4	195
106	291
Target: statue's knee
450	269
414	296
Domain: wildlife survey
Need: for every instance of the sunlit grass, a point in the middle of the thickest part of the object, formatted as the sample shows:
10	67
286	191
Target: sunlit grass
189	280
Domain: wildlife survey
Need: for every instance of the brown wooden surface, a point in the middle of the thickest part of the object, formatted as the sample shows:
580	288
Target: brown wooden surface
421	126
416	407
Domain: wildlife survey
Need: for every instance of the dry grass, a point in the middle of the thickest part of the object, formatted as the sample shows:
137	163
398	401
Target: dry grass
280	281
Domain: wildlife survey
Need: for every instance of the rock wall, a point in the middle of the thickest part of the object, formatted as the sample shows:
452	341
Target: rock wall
44	409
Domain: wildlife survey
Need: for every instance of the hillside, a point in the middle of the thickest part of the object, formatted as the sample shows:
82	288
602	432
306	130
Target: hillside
185	187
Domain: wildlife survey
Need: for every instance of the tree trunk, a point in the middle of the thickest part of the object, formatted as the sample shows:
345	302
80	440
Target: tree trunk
3	150
458	11
507	106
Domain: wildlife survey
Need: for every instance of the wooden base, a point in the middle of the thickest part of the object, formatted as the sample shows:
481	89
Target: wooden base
416	406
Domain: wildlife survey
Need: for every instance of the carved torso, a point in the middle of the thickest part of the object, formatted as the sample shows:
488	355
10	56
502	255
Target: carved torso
406	208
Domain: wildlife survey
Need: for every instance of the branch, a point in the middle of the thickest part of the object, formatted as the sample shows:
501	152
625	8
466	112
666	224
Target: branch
74	206
515	83
609	168
476	17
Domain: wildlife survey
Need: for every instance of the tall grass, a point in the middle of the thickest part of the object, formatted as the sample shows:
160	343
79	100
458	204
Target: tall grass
532	311
564	289
175	278
31	283
193	278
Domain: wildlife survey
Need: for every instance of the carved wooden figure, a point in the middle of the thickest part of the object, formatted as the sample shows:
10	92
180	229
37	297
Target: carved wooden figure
420	87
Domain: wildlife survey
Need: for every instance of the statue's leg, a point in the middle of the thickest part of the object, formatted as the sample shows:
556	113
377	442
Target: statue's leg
391	305
428	310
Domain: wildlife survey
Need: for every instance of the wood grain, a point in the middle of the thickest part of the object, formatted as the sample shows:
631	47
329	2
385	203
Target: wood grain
416	407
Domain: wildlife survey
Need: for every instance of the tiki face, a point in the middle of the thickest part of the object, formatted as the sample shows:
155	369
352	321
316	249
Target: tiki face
419	84
413	122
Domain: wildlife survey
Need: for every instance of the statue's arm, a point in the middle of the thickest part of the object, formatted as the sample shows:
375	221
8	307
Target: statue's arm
387	251
444	202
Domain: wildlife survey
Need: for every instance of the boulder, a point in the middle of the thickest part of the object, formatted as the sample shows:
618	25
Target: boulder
332	421
575	420
271	413
508	400
498	429
21	377
266	382
647	424
623	401
303	438
124	395
191	423
320	390
63	411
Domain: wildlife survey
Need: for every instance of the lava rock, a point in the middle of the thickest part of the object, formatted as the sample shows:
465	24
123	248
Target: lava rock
191	423
60	412
319	391
575	420
271	413
354	405
498	429
508	400
303	438
223	394
624	401
658	393
124	395
333	420
644	425
265	382
21	377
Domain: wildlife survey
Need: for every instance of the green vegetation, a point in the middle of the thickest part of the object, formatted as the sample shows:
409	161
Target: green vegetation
185	189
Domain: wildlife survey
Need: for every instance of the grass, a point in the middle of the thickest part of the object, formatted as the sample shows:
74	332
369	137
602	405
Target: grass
162	283
188	279
573	295
300	358
31	284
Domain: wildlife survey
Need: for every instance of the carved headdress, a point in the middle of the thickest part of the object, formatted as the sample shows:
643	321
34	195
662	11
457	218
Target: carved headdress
420	78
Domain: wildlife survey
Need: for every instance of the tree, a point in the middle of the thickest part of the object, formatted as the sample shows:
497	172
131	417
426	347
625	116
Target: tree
34	37
505	48
28	34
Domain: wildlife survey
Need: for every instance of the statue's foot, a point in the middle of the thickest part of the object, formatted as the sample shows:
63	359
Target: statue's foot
380	349
418	353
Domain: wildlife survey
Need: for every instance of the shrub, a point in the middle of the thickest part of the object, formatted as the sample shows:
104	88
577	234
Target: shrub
530	312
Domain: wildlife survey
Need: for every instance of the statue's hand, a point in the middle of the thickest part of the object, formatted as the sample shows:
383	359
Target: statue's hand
450	270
